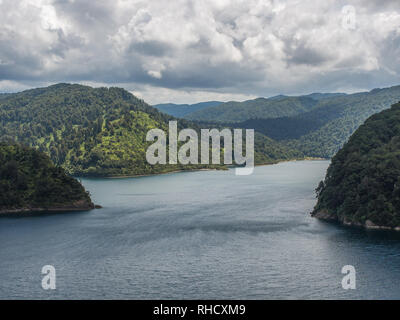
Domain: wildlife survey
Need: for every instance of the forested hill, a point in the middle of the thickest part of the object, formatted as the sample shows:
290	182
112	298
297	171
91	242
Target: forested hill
321	131
362	185
88	131
335	119
98	131
29	181
257	108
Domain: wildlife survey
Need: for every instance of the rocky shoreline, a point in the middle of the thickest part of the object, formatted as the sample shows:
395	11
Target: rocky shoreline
80	205
326	216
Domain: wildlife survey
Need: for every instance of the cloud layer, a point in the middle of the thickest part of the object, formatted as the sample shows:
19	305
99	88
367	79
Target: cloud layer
239	48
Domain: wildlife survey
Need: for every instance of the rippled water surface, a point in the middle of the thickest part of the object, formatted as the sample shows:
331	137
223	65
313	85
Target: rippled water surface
207	234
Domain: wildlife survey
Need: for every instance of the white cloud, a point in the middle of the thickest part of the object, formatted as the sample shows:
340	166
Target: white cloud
245	47
155	74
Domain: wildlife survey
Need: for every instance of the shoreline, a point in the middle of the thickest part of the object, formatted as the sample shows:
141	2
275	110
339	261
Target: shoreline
154	174
80	205
367	225
195	170
292	160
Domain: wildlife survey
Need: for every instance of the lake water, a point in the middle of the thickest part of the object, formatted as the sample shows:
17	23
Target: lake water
198	235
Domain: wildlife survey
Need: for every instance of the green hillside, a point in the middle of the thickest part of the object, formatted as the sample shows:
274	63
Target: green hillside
28	180
321	131
335	119
98	132
258	108
362	185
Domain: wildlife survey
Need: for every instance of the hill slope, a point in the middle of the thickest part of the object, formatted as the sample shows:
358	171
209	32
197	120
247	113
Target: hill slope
362	185
29	181
88	131
321	131
335	119
98	132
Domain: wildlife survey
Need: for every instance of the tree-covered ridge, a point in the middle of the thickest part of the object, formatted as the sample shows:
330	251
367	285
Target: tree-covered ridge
182	110
338	117
28	179
258	108
321	131
362	185
99	131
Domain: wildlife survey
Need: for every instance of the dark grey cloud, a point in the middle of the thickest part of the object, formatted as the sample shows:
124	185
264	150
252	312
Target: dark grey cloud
151	48
254	47
307	56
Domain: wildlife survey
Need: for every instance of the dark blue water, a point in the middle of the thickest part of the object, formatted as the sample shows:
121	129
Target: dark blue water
206	234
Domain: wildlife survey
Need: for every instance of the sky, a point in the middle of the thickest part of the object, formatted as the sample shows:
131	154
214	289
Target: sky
187	51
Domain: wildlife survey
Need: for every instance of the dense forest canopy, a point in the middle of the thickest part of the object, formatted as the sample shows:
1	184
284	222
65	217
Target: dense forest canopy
28	179
258	108
335	119
363	181
316	125
264	106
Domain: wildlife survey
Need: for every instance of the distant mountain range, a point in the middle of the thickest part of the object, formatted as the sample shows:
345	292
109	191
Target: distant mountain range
232	111
182	110
335	119
316	124
321	131
315	96
264	108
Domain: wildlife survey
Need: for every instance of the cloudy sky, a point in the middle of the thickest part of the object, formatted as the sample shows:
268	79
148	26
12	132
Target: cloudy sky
186	51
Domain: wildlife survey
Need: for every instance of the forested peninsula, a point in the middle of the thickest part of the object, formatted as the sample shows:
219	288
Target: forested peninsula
29	182
362	184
